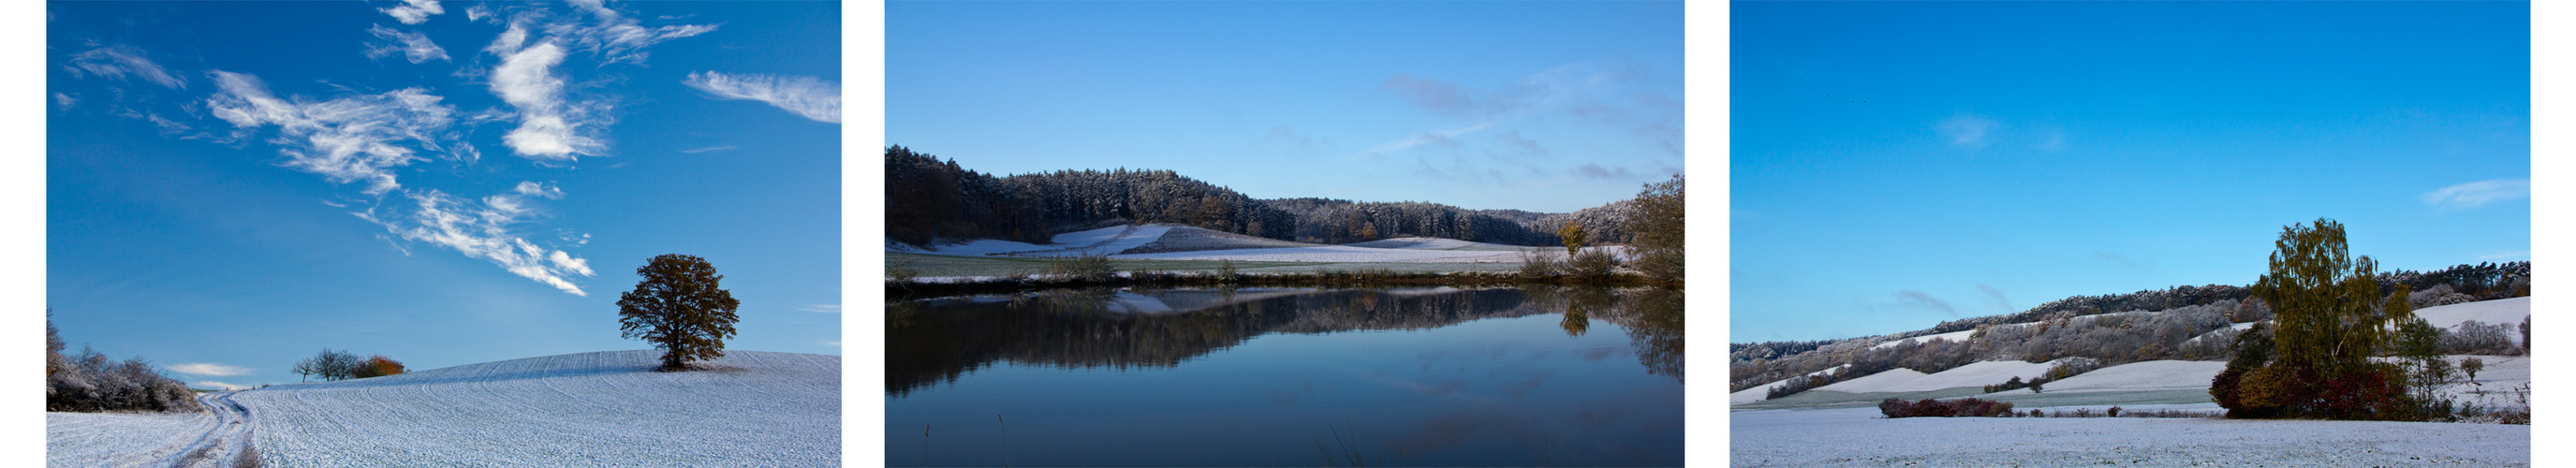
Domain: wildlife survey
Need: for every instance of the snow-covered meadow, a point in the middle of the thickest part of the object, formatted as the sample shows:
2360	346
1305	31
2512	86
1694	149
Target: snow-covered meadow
1860	437
610	408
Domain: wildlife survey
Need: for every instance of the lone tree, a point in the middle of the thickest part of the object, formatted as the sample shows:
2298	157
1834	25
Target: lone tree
1574	236
1657	227
2330	320
681	307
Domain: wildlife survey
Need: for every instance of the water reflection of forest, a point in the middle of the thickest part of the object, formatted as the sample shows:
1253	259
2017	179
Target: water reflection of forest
933	341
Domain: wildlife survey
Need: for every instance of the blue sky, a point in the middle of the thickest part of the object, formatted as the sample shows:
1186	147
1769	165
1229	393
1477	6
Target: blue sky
1896	164
1541	106
233	186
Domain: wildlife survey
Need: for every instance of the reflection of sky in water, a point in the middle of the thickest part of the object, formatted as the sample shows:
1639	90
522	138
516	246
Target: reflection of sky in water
1507	391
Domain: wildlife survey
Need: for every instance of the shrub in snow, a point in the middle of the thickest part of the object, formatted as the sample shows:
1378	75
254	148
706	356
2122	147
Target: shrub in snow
1541	264
1592	265
2474	337
1964	407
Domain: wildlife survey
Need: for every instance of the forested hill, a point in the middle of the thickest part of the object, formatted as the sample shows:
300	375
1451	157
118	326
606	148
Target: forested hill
929	199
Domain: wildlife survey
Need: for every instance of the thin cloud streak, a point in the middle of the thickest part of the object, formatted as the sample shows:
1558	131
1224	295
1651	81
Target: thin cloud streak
2477	194
1925	300
804	96
119	61
209	369
707	149
414	46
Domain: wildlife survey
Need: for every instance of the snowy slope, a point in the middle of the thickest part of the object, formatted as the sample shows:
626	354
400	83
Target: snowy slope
1106	240
1971	375
1859	437
2504	311
2138	376
1758	392
588	409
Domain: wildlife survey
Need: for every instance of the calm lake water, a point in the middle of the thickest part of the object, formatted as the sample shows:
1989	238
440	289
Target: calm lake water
1287	377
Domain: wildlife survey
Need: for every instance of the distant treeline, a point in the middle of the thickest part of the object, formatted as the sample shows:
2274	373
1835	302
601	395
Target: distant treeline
928	200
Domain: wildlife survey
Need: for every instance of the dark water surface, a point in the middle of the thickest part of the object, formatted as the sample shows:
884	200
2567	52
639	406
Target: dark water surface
1287	377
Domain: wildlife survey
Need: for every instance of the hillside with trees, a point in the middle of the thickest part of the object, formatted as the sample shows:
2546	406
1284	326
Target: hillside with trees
2182	322
930	200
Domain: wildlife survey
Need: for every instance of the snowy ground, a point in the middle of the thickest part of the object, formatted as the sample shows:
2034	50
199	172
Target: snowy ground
2138	383
210	438
1860	437
589	409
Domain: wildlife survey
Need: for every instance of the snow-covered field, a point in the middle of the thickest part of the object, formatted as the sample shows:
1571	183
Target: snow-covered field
589	409
208	438
2500	311
1960	336
1860	437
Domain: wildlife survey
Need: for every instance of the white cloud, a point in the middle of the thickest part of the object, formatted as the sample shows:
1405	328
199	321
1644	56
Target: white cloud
415	11
1965	130
477	13
217	370
832	343
805	96
483	232
548	127
616	38
549	191
345	140
2476	194
219	385
119	61
821	308
707	149
415	47
64	99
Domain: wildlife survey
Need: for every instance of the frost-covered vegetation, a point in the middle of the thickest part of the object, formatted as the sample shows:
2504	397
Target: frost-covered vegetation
90	381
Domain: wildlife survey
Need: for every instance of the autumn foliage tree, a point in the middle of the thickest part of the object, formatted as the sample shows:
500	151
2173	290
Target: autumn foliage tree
681	307
376	366
2330	319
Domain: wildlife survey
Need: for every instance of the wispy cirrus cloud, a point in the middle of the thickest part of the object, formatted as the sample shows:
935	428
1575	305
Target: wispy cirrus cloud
482	230
414	11
2480	193
805	96
413	46
119	61
540	190
1925	300
1995	298
209	369
218	385
615	37
1965	130
345	140
707	149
